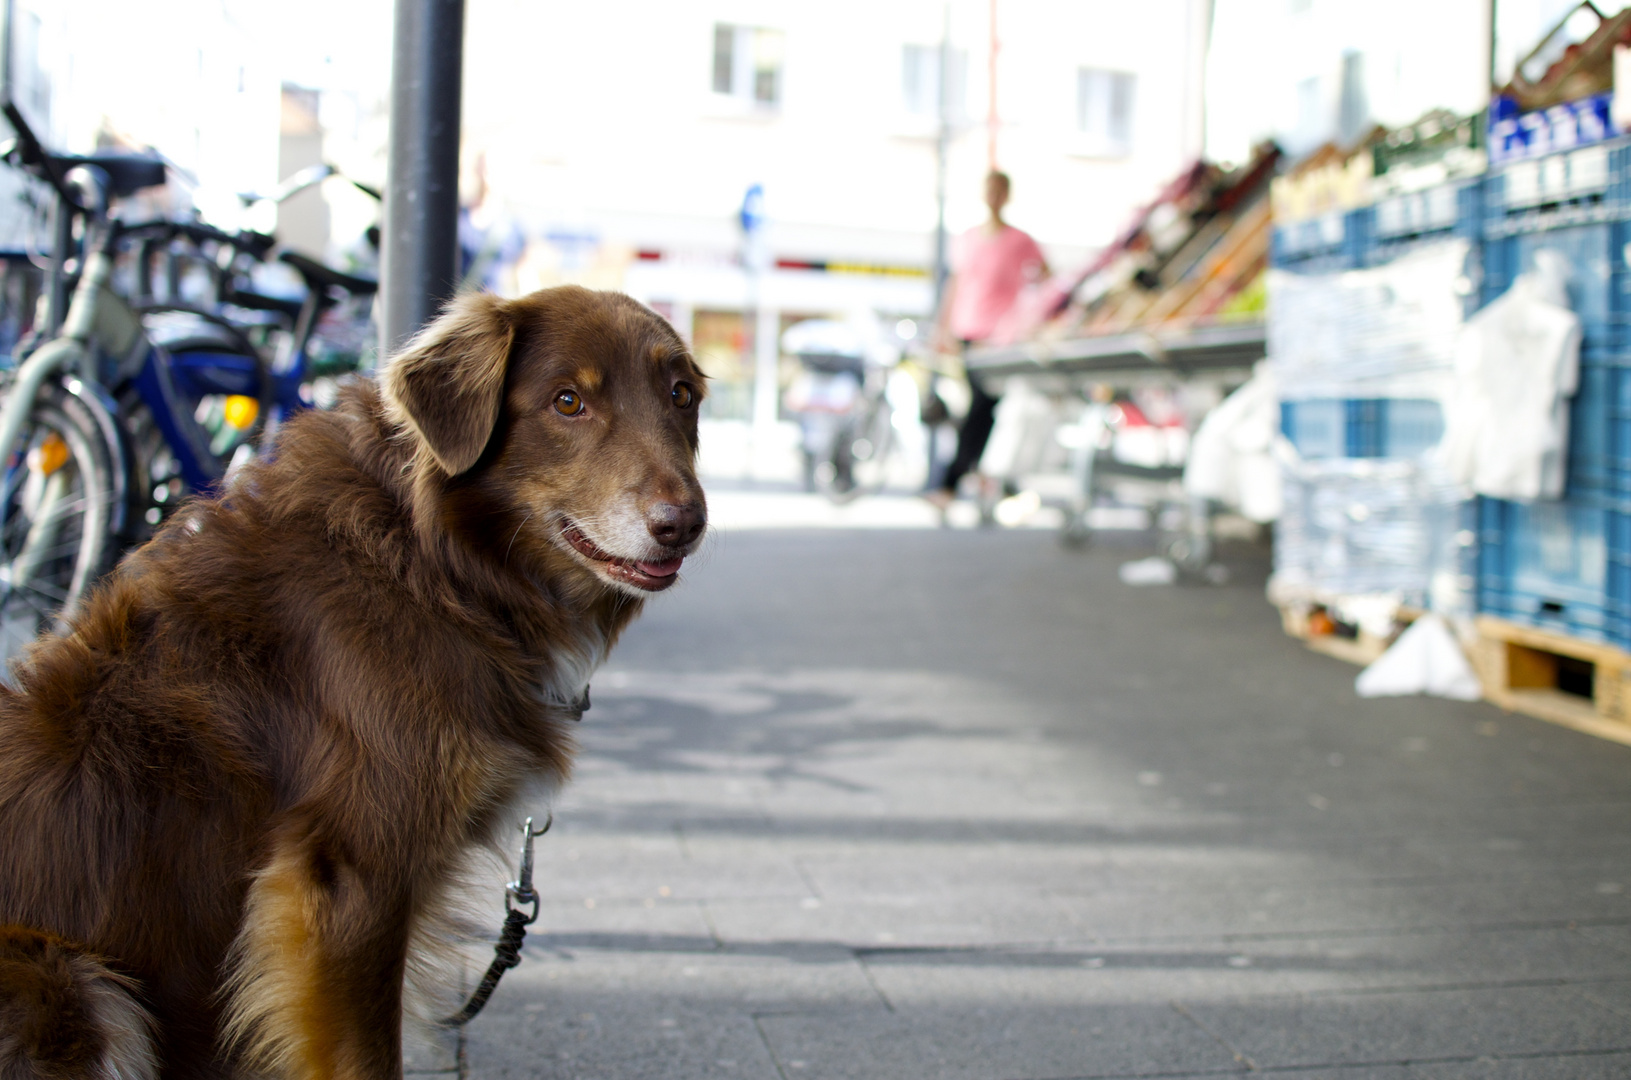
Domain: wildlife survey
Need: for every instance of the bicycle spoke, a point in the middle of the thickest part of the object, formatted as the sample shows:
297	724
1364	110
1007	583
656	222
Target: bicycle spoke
66	549
59	516
46	600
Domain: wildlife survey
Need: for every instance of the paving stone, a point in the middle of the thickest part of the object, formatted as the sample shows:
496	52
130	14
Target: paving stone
993	1039
1413	1025
641	1011
1610	1066
428	1051
1227	971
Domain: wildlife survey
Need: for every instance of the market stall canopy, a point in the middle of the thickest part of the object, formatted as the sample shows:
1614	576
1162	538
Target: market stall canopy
1180	290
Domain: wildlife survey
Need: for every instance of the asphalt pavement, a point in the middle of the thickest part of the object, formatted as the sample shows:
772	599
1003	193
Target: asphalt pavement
917	803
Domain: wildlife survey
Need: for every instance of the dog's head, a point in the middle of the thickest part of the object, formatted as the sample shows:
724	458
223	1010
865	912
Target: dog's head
572	413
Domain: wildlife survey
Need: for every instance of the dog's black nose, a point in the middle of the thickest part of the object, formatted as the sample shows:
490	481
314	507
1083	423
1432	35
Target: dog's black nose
674	525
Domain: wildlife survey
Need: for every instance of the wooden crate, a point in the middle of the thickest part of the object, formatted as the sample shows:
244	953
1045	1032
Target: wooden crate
1523	670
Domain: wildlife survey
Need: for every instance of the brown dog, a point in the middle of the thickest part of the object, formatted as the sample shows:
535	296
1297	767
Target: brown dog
234	798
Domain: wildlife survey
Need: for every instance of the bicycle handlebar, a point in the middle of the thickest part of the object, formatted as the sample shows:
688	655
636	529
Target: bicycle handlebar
30	156
257	245
310	176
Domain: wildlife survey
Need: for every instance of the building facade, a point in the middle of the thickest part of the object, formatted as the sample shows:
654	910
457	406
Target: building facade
627	161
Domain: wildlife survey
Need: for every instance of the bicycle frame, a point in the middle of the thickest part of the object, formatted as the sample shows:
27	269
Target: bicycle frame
100	322
91	323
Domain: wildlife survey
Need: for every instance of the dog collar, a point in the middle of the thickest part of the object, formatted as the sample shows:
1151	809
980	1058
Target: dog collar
580	706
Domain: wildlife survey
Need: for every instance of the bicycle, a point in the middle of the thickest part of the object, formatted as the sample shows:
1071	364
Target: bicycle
842	400
102	428
218	366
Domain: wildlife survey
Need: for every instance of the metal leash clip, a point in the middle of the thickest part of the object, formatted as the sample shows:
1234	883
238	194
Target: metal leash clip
520	891
518	894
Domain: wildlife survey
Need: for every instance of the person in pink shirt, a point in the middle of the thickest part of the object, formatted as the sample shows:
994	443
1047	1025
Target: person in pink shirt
991	263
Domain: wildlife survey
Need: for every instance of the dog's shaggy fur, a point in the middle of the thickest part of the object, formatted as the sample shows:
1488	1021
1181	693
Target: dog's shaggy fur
238	790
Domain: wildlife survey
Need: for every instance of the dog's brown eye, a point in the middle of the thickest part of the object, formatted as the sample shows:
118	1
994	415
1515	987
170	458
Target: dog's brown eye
683	395
568	403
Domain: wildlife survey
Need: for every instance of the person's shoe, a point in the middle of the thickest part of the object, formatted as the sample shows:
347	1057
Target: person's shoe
939	498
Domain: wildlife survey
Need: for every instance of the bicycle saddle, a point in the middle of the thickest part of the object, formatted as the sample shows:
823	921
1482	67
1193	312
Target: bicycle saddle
317	274
127	173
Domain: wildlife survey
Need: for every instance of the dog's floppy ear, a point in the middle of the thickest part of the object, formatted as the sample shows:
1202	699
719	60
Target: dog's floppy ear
449	384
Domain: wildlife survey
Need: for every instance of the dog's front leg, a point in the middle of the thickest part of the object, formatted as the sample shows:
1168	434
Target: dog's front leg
318	967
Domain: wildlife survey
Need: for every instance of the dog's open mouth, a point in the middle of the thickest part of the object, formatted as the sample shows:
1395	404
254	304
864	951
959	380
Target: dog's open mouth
652	576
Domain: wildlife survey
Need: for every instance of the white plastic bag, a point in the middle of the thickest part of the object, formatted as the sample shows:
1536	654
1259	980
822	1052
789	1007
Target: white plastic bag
1154	570
1507	417
1425	660
1231	457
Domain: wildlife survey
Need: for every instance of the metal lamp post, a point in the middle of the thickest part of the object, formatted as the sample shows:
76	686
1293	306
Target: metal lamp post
420	256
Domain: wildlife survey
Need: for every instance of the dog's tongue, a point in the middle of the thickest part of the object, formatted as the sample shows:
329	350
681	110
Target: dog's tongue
666	568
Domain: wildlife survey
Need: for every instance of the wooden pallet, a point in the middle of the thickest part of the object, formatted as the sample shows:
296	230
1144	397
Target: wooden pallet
1361	649
1522	670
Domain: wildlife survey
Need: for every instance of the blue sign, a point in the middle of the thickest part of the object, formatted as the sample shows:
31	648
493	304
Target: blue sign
752	214
1514	135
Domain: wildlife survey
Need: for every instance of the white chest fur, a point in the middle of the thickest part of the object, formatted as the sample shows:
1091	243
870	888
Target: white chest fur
574	664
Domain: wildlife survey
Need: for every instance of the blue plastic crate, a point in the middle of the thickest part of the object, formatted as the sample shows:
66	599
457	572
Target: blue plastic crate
1556	565
1599	460
1365	420
1618	194
1318	428
1618	526
1361	427
1332	242
1598	278
1575	182
1403	221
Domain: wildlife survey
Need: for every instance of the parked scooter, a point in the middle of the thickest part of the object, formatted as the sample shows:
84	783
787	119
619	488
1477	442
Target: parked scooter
839	396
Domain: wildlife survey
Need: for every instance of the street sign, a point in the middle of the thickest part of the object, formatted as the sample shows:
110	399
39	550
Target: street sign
752	214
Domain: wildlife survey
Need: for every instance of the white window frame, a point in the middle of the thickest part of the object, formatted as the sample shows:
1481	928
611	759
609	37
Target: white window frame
921	104
1096	122
755	51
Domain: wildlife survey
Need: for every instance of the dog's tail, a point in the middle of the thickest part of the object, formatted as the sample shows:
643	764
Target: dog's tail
64	1014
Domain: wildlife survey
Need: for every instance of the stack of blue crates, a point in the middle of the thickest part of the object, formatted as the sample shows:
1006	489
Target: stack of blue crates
1566	565
1563	565
1372	427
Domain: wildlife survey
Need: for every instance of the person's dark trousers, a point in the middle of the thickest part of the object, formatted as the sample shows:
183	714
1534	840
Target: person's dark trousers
972	436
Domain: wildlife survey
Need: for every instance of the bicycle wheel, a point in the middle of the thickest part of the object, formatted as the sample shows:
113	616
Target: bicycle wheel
56	497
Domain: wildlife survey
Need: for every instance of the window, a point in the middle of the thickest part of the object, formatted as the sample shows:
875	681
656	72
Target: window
748	64
920	81
1104	111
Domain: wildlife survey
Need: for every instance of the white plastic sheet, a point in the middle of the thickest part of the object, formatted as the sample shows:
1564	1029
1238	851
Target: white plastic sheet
1387	332
1355	526
1371	526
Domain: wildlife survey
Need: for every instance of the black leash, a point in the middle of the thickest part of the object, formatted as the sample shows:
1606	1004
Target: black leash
507	953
